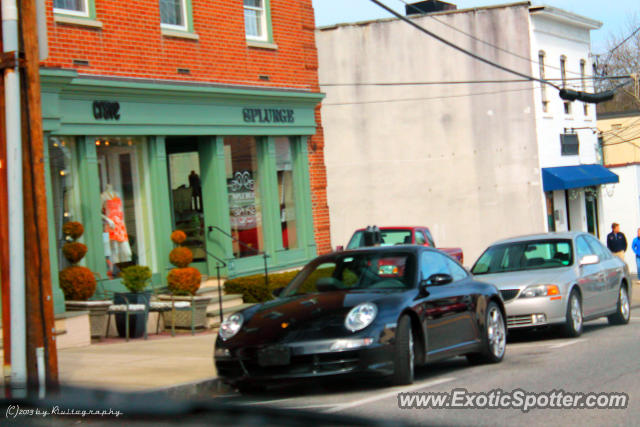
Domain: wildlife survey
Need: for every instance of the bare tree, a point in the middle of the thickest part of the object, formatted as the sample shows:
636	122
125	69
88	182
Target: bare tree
621	59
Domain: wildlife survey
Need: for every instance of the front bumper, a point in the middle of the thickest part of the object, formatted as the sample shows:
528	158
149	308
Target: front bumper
527	312
308	359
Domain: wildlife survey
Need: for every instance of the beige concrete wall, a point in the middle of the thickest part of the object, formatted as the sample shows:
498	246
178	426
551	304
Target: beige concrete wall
461	159
620	137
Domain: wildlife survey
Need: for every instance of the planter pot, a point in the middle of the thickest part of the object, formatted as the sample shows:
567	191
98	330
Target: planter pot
97	314
183	316
137	321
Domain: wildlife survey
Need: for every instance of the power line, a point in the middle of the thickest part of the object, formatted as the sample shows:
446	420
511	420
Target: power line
460	49
626	141
620	44
459	82
517	55
381	101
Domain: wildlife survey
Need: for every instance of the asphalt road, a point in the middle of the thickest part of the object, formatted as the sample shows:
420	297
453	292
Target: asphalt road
604	359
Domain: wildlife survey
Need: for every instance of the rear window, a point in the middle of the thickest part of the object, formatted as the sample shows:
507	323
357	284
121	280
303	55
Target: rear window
389	238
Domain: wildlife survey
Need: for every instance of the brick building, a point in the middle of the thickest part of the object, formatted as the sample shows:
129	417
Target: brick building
184	114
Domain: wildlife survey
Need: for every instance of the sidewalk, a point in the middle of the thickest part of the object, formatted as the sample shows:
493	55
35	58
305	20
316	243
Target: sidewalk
635	293
159	362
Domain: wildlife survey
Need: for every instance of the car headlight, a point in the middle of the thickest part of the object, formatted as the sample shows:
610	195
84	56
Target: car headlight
230	326
540	291
361	316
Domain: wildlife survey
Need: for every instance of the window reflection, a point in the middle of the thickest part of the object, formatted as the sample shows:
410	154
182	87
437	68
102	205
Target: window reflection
286	193
243	189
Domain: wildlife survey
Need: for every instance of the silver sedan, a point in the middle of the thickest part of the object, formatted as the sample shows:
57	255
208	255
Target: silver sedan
557	278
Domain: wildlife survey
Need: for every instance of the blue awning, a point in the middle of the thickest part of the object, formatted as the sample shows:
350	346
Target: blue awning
565	177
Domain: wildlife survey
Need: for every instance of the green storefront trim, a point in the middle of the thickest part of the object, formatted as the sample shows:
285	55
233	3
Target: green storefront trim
157	110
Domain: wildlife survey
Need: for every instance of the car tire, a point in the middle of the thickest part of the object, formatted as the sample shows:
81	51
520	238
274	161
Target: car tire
623	309
494	337
404	354
574	321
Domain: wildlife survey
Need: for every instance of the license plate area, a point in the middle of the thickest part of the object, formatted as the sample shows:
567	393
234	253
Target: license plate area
274	356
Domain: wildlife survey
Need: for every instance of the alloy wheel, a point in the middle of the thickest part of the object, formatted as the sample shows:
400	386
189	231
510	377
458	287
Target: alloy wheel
576	313
624	303
496	332
411	353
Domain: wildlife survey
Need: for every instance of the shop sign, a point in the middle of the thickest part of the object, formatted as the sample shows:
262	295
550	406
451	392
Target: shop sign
268	115
106	110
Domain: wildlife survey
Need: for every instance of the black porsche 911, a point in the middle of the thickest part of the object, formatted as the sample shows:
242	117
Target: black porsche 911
377	311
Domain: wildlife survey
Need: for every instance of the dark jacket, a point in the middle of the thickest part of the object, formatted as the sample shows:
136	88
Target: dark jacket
616	242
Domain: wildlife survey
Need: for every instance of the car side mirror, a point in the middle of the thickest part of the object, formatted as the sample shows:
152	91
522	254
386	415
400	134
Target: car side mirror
589	260
276	292
437	279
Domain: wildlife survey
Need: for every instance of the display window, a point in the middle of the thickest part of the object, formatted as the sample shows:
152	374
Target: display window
64	188
243	189
121	209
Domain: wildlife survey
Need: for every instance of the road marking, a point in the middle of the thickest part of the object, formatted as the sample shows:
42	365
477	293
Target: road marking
326	405
266	402
516	346
343	406
567	343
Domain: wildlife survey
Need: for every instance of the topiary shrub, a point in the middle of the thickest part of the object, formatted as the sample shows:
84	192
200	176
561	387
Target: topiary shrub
181	257
74	251
77	283
73	230
184	281
136	277
178	237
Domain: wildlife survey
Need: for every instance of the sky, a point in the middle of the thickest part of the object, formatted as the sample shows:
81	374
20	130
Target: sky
618	21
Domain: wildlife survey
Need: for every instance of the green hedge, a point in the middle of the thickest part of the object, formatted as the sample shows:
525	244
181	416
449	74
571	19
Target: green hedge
253	288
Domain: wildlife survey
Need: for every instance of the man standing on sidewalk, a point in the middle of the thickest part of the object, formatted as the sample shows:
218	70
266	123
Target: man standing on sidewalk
616	242
636	249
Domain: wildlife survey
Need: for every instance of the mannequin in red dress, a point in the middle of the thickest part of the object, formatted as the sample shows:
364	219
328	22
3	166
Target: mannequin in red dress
117	248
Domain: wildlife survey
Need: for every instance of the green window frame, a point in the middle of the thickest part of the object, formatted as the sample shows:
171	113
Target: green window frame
266	28
171	29
89	12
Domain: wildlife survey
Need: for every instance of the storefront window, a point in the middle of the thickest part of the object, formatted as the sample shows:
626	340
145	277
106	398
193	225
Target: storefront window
286	193
243	188
63	188
551	220
121	202
186	193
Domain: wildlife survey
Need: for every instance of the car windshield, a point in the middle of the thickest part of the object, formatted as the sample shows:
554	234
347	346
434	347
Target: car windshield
389	238
529	255
372	270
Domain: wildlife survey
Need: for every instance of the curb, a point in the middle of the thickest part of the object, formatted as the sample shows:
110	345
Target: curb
199	388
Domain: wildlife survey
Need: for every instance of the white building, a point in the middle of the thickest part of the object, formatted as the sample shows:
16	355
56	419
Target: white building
402	147
568	147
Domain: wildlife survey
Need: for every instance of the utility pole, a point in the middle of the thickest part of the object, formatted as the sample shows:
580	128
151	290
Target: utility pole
4	236
41	344
11	71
